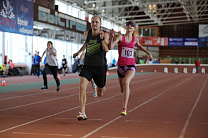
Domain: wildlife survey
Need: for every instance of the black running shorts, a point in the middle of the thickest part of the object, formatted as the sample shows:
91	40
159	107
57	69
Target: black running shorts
98	74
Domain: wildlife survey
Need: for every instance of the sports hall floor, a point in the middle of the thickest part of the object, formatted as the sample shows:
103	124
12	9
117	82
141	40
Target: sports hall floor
161	105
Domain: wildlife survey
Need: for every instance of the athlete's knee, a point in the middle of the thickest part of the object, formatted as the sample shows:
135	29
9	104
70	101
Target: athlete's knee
126	83
82	86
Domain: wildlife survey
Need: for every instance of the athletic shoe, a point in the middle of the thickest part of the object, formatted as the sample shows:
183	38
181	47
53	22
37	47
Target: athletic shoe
123	113
95	94
44	88
94	86
81	116
58	88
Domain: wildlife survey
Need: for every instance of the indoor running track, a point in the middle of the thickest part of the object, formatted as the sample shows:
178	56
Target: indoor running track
160	106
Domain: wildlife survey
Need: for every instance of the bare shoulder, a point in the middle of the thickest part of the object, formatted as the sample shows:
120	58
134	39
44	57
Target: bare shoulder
86	33
119	37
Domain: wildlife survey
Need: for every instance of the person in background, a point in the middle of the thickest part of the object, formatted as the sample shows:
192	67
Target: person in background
5	69
197	65
37	64
113	62
64	65
51	65
32	72
44	62
12	69
126	63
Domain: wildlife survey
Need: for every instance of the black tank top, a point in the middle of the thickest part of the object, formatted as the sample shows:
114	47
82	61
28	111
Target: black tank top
95	55
64	61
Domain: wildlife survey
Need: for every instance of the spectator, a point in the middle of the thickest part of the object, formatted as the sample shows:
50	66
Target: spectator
37	64
176	61
11	64
33	65
64	65
182	61
113	62
197	65
12	69
4	69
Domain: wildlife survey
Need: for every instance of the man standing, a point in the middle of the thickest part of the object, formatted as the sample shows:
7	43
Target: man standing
51	65
64	64
197	65
37	64
96	46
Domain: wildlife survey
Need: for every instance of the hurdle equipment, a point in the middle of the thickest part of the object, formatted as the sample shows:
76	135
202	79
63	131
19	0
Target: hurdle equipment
185	70
165	70
194	70
3	82
175	70
203	70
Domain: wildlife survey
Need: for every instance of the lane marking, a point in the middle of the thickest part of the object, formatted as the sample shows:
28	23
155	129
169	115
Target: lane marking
192	110
14	107
19	106
17	126
147	122
113	137
54	91
34	94
101	127
24	124
25	133
73	119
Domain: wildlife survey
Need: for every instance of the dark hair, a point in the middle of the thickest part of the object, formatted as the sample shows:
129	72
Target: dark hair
5	62
98	17
50	42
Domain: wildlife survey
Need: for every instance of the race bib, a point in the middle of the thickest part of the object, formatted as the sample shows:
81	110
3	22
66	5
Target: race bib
127	52
63	62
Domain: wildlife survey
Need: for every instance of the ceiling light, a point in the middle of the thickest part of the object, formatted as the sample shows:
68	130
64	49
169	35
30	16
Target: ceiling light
93	5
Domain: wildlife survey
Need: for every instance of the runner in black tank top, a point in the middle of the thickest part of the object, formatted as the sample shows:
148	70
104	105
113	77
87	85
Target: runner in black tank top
95	55
96	46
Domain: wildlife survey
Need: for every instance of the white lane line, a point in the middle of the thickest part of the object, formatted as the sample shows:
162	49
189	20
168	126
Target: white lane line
147	122
25	133
192	110
73	119
113	137
24	124
101	127
34	94
14	107
61	90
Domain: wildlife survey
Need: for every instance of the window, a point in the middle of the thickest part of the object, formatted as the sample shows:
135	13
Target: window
62	6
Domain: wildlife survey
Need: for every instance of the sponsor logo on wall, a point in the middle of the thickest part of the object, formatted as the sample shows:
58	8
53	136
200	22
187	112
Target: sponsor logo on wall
15	16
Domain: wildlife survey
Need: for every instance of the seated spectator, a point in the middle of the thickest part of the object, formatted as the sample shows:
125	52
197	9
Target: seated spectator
11	64
12	69
4	69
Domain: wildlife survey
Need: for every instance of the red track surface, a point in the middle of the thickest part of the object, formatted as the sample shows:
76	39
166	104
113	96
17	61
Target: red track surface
160	106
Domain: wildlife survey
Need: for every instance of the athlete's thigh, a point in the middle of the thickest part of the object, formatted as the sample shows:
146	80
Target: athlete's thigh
86	73
99	76
129	75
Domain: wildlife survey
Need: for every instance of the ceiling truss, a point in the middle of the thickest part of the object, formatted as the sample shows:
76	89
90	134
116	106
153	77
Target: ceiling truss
147	12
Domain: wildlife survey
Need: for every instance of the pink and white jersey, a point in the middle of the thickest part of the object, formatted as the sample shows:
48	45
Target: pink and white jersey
126	52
